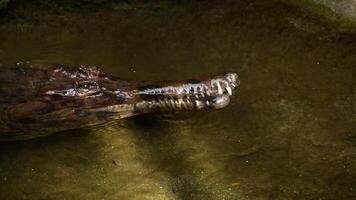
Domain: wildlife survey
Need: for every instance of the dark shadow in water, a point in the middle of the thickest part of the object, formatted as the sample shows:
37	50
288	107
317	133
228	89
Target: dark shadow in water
153	130
161	136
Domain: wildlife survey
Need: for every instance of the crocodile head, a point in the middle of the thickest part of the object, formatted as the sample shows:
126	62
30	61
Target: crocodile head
71	97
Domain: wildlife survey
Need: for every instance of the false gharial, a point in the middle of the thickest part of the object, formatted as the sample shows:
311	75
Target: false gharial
37	100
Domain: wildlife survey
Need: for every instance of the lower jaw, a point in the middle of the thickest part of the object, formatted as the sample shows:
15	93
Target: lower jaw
216	102
221	101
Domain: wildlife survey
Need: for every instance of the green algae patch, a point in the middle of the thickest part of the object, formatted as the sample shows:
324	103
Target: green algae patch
339	20
144	8
3	3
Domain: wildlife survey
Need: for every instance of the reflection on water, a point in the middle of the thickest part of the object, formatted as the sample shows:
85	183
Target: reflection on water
289	133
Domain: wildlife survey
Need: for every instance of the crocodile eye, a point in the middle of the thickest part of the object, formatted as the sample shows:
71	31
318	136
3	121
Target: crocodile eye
87	85
85	88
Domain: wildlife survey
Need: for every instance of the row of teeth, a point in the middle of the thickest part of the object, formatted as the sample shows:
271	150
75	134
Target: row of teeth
220	85
170	103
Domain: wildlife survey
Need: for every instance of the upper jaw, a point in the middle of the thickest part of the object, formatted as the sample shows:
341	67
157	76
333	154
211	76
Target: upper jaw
222	84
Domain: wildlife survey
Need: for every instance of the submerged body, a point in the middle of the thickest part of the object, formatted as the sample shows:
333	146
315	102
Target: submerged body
40	100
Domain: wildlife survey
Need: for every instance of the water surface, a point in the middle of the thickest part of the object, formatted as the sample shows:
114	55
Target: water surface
289	133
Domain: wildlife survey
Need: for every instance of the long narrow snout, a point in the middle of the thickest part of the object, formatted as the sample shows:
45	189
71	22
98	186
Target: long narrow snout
108	97
212	93
141	97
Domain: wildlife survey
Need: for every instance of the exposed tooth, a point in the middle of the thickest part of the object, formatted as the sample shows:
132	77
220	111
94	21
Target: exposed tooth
219	89
233	77
167	104
186	106
172	103
199	104
160	104
179	103
205	88
228	89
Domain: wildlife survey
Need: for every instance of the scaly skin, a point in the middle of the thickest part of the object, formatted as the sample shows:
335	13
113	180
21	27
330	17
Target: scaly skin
39	100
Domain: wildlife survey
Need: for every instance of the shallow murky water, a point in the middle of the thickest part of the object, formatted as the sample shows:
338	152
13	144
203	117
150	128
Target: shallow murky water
288	134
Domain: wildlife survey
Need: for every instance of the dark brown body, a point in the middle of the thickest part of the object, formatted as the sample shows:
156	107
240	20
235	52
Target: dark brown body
39	100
